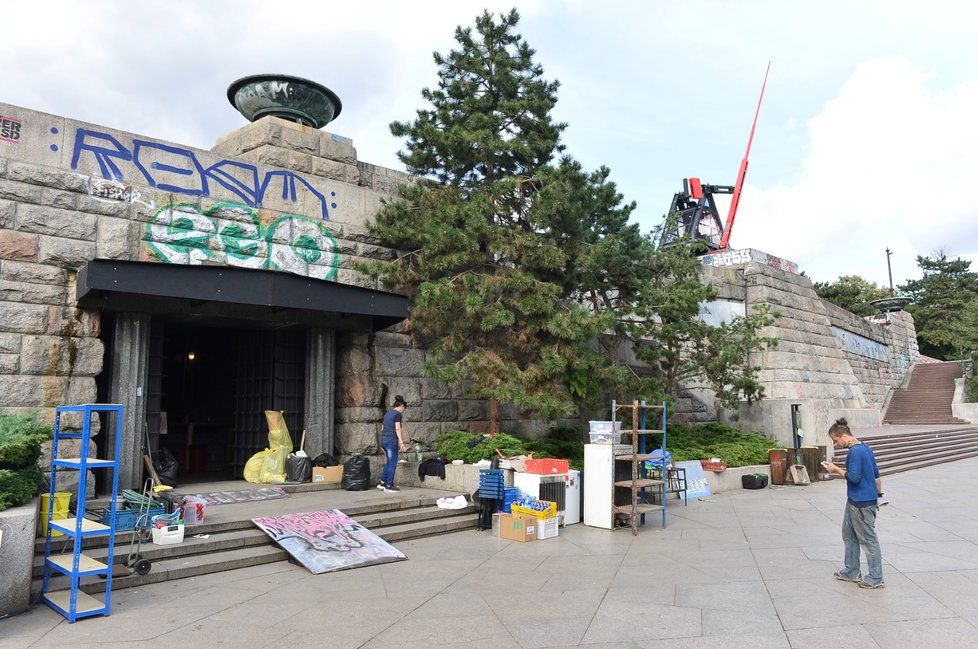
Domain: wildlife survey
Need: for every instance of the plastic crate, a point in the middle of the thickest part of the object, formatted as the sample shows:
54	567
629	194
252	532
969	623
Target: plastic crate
510	495
125	519
547	466
716	467
549	512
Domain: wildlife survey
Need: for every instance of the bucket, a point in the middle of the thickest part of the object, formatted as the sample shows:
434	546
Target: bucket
61	501
779	465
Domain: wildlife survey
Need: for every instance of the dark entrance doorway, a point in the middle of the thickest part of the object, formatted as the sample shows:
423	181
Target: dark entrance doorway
208	388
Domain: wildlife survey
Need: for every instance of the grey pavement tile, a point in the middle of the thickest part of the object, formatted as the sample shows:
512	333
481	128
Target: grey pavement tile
623	620
837	637
782	563
738	596
824	609
448	604
579	604
739	623
954	590
533	631
956	633
33	623
441	631
907	559
315	640
964	550
751	641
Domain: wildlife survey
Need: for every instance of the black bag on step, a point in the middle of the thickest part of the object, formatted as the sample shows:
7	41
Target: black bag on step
166	467
324	460
356	473
298	469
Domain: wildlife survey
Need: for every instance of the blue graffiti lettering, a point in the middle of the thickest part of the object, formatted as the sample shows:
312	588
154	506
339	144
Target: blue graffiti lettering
163	166
139	145
103	156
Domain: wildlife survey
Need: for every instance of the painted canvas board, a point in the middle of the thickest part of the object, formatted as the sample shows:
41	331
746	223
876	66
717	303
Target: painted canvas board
696	484
328	540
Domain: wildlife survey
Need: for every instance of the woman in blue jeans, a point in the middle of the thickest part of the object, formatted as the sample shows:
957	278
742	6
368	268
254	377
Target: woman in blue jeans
392	441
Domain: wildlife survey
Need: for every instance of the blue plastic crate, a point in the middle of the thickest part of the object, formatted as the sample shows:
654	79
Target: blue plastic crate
125	519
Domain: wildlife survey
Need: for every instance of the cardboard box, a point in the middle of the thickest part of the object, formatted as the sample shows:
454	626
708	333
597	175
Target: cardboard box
517	528
327	474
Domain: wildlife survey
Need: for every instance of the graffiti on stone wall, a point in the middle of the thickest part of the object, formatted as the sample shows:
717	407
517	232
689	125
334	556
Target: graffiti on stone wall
232	233
10	129
746	256
861	346
178	170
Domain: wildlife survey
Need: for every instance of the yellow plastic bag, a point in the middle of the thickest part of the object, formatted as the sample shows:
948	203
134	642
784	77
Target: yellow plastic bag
268	466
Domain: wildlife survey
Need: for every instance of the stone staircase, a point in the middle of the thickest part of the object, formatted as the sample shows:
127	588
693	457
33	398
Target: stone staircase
914	449
239	544
927	398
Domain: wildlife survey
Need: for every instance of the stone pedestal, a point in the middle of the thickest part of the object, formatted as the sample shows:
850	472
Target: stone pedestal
16	556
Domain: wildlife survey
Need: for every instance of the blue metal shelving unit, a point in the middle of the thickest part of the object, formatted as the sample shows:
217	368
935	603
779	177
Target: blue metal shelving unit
73	603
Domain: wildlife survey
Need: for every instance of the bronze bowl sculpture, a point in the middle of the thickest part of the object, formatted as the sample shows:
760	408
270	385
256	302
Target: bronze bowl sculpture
281	95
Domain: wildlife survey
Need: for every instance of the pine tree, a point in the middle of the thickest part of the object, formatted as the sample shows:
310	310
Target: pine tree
940	298
490	246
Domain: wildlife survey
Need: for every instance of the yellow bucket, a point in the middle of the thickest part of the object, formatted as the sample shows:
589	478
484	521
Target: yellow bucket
61	501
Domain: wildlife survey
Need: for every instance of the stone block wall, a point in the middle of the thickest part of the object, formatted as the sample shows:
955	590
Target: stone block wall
830	361
272	195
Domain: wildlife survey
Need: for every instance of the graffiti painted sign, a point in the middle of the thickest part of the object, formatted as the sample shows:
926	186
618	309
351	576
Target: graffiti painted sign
10	129
861	346
328	540
179	170
233	234
746	256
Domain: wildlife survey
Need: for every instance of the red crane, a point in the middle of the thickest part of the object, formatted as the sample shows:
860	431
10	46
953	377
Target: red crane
695	208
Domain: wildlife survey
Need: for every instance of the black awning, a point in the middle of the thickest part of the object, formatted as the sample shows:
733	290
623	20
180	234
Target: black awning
241	293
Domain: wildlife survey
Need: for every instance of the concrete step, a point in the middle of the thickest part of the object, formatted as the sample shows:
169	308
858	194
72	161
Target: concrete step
919	446
178	566
897	455
247	536
925	462
902	441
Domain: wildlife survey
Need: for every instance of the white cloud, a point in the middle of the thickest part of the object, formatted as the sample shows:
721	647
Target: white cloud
891	162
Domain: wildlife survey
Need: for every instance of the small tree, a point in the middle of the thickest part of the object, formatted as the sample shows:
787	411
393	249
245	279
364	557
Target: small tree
680	348
853	293
940	301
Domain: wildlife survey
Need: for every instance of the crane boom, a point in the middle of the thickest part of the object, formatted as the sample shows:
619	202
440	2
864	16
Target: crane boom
742	172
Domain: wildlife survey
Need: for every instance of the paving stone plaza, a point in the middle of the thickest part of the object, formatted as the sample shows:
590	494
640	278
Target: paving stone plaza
746	569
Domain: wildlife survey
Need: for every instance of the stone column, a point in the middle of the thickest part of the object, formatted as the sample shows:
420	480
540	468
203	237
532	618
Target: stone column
320	391
129	373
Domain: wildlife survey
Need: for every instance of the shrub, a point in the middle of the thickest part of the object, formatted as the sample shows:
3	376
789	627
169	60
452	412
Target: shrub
472	447
20	447
703	441
971	381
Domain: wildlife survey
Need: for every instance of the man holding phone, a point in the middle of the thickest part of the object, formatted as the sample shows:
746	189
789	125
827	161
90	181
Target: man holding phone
863	489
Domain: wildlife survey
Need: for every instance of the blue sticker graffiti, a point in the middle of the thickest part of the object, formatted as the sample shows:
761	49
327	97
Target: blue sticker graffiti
232	233
178	170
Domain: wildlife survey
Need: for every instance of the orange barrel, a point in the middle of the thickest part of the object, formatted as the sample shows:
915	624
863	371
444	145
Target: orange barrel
810	458
779	465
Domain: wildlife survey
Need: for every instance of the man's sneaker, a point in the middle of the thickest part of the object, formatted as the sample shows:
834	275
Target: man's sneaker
381	486
863	584
391	489
858	579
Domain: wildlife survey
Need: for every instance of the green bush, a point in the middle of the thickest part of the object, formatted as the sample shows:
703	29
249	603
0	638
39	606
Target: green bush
703	441
561	442
471	447
20	447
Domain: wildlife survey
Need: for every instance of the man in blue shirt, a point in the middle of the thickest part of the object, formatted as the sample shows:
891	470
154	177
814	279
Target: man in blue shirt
863	487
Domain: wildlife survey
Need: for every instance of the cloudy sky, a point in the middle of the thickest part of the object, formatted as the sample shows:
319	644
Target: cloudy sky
868	135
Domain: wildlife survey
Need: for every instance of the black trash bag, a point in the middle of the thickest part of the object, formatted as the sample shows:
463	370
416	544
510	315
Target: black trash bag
324	460
166	467
298	469
356	473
